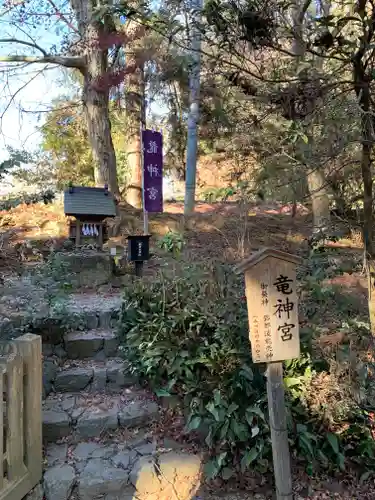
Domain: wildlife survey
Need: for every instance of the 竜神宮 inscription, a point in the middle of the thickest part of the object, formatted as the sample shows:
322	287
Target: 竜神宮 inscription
272	307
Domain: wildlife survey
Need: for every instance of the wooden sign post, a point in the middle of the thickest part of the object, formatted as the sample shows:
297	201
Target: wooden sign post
270	280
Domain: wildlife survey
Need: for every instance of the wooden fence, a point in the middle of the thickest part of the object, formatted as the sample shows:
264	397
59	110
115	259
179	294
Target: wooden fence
21	417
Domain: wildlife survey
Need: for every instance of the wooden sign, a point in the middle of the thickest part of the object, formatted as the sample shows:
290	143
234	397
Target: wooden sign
272	304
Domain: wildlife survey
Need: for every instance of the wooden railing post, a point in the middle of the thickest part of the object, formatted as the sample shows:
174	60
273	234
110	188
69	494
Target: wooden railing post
15	435
29	347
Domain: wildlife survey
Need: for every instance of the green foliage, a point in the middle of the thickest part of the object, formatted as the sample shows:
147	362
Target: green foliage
46	196
16	158
172	242
218	194
177	338
41	173
67	147
187	336
65	139
253	21
55	277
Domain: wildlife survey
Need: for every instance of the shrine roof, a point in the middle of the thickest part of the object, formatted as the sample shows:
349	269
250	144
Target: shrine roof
81	200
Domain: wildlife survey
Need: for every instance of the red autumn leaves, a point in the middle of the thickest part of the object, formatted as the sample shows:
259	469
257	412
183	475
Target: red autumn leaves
114	77
111	79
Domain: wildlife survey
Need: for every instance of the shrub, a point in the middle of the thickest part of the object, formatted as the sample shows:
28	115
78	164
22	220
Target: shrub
218	194
188	335
172	242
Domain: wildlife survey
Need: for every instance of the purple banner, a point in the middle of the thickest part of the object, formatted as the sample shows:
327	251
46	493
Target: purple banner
152	170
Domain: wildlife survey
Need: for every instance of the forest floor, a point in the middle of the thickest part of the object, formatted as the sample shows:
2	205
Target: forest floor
226	231
220	232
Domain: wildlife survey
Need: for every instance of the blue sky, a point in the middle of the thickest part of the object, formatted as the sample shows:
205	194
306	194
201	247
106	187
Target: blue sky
23	110
19	129
23	114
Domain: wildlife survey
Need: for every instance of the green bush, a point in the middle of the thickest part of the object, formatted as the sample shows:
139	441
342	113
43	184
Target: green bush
187	335
218	194
172	242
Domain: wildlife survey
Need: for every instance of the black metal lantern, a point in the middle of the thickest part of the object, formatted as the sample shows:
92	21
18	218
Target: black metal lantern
139	247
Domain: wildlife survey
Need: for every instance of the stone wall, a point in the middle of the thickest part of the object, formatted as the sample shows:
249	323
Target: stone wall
31	313
109	376
85	268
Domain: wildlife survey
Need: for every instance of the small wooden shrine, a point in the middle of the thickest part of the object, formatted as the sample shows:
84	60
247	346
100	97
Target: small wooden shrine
90	206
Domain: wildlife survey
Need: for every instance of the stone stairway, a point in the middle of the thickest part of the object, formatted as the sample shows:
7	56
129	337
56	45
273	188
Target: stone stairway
97	422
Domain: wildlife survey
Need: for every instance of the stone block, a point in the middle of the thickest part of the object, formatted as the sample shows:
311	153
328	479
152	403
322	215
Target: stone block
118	376
56	454
59	482
111	345
138	413
86	268
146	449
94	422
100	380
87	344
56	425
100	478
83	451
124	459
73	379
83	344
60	352
105	319
47	350
92	321
49	374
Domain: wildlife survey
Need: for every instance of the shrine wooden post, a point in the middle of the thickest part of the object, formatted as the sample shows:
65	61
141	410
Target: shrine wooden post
272	303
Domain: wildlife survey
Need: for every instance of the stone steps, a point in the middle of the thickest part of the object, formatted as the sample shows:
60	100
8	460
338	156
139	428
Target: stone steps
81	312
85	415
111	375
136	467
95	343
96	420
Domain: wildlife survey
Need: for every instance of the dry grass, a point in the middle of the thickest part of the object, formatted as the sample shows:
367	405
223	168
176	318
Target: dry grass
226	232
217	229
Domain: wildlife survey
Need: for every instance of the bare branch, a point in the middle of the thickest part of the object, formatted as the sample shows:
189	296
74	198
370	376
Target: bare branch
302	12
16	93
77	62
10	8
23	42
61	16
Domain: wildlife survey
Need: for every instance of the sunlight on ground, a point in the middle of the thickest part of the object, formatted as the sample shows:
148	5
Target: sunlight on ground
175	475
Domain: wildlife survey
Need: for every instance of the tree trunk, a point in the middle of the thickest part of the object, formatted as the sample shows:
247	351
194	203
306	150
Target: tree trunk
96	94
369	257
135	118
362	89
342	205
319	198
99	132
134	113
314	175
368	230
367	199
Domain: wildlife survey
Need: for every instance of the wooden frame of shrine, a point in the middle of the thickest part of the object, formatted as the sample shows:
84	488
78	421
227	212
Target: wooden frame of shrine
90	206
